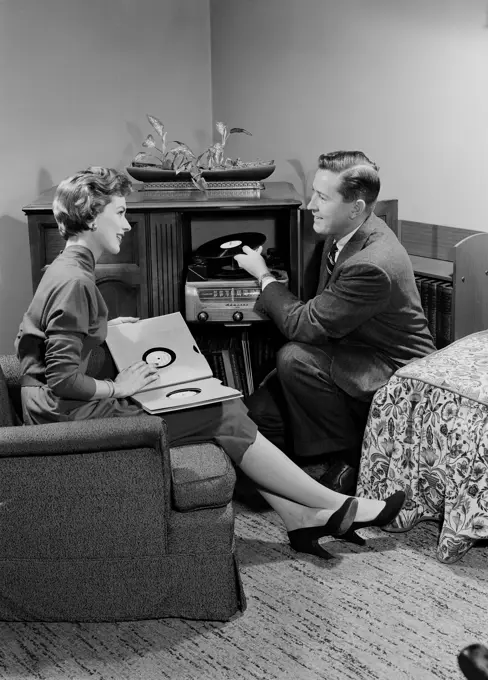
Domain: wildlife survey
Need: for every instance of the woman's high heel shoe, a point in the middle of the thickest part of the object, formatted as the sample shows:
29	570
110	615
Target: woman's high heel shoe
307	540
393	505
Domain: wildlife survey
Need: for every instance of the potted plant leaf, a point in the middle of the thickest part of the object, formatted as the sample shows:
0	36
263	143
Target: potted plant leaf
169	161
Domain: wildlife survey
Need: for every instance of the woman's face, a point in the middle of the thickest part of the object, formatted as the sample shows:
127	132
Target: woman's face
111	225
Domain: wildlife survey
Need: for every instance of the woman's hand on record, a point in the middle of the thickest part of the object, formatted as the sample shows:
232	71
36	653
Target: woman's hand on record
134	378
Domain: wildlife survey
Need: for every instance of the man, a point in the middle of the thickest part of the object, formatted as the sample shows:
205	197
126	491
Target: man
364	323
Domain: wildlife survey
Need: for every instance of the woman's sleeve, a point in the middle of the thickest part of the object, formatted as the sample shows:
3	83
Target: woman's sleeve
67	324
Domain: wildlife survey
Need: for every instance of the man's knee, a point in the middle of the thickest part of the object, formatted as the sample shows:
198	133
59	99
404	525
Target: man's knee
298	362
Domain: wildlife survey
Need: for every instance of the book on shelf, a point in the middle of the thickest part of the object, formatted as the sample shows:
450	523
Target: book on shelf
436	300
185	379
217	365
229	375
239	379
418	282
225	353
445	291
432	308
424	295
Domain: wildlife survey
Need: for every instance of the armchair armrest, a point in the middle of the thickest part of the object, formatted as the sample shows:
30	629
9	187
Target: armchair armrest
84	436
11	369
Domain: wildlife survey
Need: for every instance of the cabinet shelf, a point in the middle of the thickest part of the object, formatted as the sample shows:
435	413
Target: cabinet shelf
458	257
437	269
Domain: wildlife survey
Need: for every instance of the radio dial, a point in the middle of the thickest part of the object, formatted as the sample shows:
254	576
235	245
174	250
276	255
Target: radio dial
202	316
238	316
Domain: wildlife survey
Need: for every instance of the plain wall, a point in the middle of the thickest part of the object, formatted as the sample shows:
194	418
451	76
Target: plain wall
77	78
404	81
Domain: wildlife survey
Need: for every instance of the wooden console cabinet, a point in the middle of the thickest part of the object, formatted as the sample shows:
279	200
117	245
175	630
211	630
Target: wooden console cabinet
147	277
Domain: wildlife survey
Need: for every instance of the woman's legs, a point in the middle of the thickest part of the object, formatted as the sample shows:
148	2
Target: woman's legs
297	498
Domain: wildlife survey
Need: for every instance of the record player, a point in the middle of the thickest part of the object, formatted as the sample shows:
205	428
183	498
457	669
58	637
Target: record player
218	290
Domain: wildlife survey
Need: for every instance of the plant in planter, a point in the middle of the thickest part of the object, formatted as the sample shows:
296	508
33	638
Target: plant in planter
180	158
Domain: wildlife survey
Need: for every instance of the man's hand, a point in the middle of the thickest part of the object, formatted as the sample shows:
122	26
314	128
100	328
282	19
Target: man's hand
252	261
122	319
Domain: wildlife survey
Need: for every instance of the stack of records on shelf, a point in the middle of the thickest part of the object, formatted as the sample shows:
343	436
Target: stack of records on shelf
436	299
229	358
240	357
264	345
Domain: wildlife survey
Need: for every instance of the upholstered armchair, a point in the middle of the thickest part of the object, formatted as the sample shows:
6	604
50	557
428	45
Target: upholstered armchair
101	521
427	433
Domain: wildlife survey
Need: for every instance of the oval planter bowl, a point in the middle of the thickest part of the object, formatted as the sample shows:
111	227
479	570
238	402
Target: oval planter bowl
245	174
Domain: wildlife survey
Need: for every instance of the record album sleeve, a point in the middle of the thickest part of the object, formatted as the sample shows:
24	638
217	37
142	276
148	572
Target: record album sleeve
184	396
185	376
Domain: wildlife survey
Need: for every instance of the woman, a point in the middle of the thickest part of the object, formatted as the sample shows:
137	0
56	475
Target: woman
68	318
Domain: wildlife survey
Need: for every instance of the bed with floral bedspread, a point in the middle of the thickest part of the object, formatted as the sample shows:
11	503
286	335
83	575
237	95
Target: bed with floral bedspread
427	433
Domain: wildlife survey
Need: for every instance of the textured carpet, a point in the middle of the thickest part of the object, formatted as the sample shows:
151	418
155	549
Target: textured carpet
386	611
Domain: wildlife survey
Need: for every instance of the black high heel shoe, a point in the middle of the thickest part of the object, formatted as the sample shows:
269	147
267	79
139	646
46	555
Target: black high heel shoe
307	540
393	505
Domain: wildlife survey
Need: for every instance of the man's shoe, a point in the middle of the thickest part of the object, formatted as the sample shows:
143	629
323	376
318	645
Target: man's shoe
473	661
340	477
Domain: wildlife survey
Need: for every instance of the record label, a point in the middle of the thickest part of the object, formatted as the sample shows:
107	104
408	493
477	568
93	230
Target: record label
230	245
159	357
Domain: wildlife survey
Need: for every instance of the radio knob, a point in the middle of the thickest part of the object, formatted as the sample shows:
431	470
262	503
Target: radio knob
238	316
202	316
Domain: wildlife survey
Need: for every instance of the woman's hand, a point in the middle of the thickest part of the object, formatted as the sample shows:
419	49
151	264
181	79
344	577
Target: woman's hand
122	319
134	378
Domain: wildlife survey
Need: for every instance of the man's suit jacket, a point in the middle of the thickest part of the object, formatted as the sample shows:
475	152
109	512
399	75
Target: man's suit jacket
368	315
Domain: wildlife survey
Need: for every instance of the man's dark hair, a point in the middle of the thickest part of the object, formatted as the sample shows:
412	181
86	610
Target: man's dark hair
358	175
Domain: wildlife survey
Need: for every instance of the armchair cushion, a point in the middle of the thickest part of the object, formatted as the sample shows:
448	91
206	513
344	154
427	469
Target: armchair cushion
6	415
10	400
202	476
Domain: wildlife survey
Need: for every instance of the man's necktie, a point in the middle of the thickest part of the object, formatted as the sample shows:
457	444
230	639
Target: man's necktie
331	258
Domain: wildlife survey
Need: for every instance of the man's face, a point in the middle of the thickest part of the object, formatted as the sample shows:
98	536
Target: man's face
332	216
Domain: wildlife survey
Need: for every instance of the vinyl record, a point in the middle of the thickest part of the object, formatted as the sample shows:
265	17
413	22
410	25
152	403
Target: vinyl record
229	245
159	357
183	393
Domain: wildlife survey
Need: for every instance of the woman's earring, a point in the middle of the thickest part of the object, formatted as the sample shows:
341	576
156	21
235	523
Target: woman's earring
93	227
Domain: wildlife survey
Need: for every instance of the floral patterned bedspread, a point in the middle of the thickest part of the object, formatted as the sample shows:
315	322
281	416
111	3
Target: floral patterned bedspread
427	433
